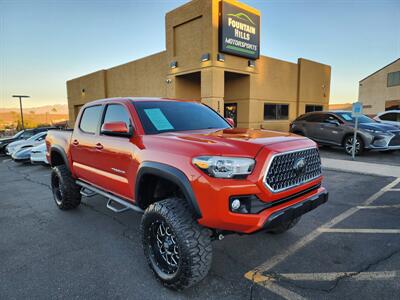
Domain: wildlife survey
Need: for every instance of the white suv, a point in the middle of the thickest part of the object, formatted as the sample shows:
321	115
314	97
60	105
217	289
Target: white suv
389	117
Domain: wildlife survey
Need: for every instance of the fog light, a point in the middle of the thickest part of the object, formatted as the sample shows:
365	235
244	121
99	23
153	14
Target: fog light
235	205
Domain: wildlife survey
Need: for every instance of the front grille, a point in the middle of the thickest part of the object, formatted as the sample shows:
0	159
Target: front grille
395	141
282	173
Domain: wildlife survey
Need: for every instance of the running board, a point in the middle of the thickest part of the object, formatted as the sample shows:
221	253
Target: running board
111	206
87	193
111	198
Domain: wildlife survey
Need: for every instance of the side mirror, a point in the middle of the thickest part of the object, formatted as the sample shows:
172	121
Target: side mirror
333	122
116	129
230	121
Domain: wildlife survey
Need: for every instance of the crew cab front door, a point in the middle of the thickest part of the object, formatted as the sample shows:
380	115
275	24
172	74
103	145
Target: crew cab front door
330	130
117	162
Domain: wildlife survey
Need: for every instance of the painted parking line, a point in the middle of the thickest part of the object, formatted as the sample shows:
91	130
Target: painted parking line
379	206
7	160
268	283
350	230
362	276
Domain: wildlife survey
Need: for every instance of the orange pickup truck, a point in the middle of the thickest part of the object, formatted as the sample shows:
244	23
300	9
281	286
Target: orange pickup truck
193	176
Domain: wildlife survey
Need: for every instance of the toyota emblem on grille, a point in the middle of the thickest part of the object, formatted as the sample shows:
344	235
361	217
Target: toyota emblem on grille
299	165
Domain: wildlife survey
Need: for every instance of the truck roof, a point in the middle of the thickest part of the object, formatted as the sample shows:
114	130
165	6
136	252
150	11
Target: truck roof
138	99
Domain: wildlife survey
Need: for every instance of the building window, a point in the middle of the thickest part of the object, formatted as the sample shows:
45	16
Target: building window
312	107
393	79
276	111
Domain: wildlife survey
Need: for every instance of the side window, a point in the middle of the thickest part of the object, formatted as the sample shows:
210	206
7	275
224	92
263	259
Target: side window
27	134
312	107
331	118
41	138
90	119
388	117
117	113
316	118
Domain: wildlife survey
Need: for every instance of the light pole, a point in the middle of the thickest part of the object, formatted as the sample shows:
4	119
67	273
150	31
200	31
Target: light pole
20	107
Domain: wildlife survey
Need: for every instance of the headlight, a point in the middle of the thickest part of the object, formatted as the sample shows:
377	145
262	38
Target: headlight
224	167
375	131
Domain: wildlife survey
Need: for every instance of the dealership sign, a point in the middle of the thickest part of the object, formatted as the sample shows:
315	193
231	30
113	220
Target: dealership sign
239	31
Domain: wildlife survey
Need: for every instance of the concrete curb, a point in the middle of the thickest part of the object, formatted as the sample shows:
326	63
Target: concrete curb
360	167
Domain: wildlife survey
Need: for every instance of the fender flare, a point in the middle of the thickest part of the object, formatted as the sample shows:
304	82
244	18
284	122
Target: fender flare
172	174
59	150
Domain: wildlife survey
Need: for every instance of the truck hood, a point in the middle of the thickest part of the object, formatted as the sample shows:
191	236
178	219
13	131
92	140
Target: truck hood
235	141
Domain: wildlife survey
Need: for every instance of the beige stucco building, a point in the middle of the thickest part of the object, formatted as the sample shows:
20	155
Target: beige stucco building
380	91
259	91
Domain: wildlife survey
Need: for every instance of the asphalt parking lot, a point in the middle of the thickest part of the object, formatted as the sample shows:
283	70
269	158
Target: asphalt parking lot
348	248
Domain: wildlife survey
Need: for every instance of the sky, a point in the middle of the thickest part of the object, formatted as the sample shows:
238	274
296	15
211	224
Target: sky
45	43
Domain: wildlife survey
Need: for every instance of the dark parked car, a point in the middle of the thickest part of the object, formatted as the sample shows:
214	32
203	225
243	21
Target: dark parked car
21	135
336	128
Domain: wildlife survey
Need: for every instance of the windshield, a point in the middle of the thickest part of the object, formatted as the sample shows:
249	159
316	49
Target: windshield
170	116
18	134
36	136
361	119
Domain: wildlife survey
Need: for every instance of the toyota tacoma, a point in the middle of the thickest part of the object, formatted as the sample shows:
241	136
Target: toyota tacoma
193	176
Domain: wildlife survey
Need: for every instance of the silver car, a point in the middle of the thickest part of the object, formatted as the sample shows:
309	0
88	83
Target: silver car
336	128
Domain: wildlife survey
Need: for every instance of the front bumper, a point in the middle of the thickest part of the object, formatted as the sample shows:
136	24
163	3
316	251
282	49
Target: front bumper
382	142
295	211
38	158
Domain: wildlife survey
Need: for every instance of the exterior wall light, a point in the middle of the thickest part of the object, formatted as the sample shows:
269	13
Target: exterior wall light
220	57
173	64
251	63
205	57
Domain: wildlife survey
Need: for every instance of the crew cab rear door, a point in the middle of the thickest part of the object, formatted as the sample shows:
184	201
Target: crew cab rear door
83	149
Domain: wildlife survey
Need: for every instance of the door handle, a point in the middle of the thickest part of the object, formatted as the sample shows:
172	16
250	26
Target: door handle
75	142
99	146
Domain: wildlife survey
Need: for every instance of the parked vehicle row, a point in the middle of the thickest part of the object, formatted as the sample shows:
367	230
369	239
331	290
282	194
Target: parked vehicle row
21	135
30	149
336	128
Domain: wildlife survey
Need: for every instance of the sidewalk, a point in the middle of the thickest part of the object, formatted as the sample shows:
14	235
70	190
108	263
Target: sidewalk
360	167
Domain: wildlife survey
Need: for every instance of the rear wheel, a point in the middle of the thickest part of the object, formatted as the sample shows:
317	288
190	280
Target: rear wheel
66	192
178	250
348	145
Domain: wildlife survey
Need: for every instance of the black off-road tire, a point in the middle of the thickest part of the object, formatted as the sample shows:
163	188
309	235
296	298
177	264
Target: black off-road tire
192	242
285	226
66	192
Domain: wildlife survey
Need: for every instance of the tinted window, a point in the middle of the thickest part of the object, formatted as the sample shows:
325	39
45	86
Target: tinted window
390	117
27	134
276	111
311	108
37	136
348	118
316	118
90	119
18	134
117	113
165	116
